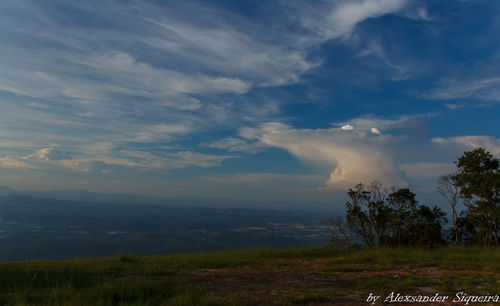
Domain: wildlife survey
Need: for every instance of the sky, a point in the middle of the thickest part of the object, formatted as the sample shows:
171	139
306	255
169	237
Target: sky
284	103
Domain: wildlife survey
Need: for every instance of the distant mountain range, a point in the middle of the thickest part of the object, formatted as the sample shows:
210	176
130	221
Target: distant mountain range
85	195
124	198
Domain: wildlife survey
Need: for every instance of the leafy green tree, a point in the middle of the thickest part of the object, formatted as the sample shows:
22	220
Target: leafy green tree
426	227
467	230
403	205
478	178
357	215
380	219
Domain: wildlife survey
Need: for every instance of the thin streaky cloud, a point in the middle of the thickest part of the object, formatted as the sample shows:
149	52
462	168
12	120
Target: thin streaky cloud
183	97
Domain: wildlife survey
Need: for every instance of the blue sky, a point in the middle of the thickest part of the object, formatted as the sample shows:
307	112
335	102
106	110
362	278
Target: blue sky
285	102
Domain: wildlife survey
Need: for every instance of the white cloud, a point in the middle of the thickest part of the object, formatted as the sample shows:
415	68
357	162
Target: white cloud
252	51
230	56
145	160
367	122
48	154
146	133
124	75
168	66
111	96
354	157
106	155
424	14
400	71
236	145
187	158
340	18
482	88
14	163
409	125
453	106
347	127
15	144
77	165
473	80
491	144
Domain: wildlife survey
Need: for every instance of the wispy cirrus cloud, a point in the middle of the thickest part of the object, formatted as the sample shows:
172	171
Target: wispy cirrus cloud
106	155
231	56
233	144
14	163
471	142
399	71
105	87
167	74
483	88
477	81
331	20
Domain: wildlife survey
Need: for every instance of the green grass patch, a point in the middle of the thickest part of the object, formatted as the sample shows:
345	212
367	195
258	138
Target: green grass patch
176	280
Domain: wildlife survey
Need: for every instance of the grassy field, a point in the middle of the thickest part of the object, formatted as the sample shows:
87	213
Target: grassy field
304	276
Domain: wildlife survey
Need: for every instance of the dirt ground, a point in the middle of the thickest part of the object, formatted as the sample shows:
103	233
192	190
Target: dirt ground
251	286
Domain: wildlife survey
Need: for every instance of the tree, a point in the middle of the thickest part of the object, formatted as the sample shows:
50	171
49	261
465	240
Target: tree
378	212
478	178
426	228
338	225
467	230
449	189
403	204
380	219
357	216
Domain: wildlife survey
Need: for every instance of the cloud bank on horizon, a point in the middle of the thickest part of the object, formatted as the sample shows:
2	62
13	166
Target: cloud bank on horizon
184	98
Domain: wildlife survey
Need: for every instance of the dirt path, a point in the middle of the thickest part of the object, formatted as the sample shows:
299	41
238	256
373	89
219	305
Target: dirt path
251	286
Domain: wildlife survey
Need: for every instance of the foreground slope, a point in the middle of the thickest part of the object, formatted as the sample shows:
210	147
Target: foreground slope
310	276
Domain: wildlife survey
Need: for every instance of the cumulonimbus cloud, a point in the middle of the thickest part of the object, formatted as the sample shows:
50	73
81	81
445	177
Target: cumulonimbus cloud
352	155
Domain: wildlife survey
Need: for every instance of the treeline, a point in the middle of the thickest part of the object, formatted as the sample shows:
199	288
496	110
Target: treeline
379	217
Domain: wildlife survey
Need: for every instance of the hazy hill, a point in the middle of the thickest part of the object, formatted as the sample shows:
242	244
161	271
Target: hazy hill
100	197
